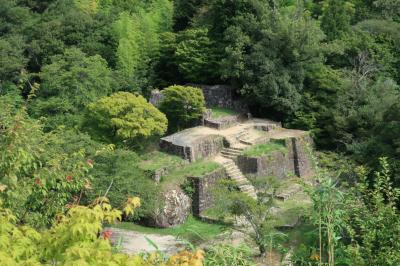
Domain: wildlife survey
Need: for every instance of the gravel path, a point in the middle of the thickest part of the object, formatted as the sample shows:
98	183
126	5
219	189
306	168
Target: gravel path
134	242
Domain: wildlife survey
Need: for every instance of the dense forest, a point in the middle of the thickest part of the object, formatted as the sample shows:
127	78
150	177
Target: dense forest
76	127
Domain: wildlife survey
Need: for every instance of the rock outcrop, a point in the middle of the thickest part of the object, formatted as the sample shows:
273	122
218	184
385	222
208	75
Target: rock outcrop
177	207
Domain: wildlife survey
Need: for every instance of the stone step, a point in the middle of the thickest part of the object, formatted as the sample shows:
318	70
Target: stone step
235	173
245	142
236	149
232	149
237	177
232	170
243	132
229	156
230	153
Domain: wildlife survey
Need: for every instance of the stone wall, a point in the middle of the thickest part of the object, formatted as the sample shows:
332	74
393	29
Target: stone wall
215	96
202	196
295	162
223	123
207	146
184	152
203	147
156	97
299	151
275	163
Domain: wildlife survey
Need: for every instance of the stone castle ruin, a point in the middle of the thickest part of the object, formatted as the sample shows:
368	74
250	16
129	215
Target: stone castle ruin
226	141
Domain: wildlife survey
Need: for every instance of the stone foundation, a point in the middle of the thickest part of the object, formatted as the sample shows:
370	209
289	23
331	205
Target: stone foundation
184	152
276	163
224	123
202	196
202	147
295	162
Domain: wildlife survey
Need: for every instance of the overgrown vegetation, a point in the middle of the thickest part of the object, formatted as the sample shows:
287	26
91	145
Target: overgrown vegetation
75	123
265	148
196	169
220	112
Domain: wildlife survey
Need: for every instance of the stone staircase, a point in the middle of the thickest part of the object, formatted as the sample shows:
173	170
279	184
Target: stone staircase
231	153
234	173
244	137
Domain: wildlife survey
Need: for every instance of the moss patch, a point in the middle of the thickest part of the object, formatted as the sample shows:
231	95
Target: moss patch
220	112
262	149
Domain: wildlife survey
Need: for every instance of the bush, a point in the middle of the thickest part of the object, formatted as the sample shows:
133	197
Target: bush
118	170
125	116
183	106
225	254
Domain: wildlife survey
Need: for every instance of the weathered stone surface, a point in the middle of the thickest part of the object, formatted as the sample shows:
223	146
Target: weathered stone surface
222	123
177	207
156	97
215	96
299	149
192	147
202	196
295	162
275	163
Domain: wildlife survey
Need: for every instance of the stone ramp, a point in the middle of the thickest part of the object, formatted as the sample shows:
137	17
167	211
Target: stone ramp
134	242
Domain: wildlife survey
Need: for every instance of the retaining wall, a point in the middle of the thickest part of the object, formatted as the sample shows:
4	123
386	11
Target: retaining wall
202	196
295	161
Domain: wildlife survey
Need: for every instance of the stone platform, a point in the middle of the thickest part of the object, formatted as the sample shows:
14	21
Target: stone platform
205	142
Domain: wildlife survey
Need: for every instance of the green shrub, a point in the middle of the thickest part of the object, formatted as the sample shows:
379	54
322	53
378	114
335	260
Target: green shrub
126	116
220	112
183	106
228	255
118	170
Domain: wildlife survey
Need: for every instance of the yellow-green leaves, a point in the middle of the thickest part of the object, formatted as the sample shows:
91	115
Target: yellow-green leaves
128	116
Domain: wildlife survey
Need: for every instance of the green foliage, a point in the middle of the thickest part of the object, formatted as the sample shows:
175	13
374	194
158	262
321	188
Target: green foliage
220	112
196	169
226	254
125	116
139	41
389	9
372	218
183	106
196	56
12	60
336	17
37	179
267	55
256	212
157	160
185	10
117	173
73	240
69	83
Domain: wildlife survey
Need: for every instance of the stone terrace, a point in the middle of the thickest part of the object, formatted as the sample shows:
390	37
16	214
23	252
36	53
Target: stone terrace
202	142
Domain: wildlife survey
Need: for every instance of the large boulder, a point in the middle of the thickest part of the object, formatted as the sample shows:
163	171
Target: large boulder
177	207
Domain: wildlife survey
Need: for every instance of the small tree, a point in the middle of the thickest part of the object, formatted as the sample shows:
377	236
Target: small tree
182	105
257	213
127	117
